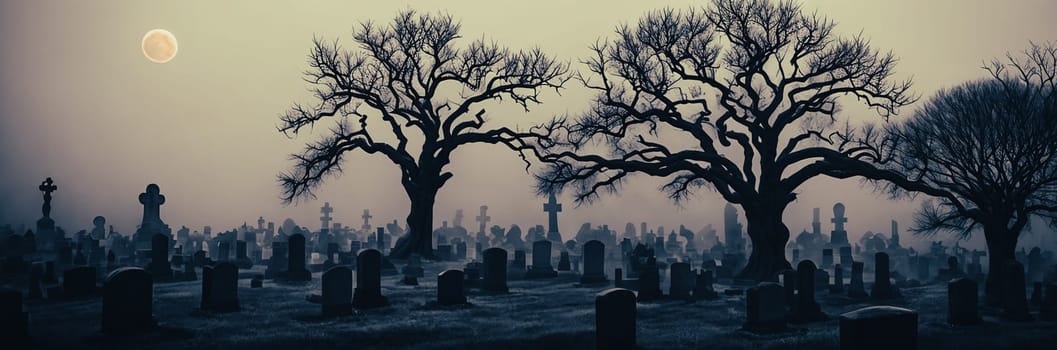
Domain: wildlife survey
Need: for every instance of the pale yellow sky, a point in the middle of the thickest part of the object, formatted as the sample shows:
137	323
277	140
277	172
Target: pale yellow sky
80	103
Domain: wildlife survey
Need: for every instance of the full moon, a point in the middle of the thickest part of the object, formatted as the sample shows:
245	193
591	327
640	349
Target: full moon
159	46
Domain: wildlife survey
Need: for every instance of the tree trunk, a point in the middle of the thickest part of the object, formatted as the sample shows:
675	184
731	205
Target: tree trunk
769	236
419	238
1001	246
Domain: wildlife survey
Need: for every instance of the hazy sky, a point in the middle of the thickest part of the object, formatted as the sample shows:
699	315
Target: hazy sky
80	103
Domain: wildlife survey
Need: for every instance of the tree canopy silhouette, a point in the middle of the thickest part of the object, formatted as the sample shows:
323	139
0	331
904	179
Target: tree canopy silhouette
409	93
740	97
990	148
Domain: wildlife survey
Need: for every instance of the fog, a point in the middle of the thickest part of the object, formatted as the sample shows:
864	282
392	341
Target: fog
80	103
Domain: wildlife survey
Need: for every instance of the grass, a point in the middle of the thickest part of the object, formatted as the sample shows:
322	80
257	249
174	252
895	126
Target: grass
551	314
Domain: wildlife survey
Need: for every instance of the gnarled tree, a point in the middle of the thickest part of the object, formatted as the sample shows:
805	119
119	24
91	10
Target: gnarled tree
411	94
740	97
990	148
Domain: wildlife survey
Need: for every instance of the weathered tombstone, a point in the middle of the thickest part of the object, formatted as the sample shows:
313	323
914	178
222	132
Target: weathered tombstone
857	289
806	309
517	267
224	251
200	258
337	291
13	317
241	259
1015	302
703	285
369	281
277	262
563	262
962	302
541	261
79	281
295	266
838	279
650	281
679	280
128	297
450	288
494	271
879	328
220	287
615	319
765	308
845	256
827	258
159	263
594	263
882	286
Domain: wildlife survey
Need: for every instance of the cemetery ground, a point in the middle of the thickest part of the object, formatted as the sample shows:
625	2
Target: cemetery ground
536	314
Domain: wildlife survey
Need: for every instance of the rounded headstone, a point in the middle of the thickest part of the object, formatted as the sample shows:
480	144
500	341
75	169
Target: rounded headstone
615	319
879	328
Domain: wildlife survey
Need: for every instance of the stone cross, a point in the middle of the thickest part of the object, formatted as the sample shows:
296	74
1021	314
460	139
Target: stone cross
152	199
552	207
838	219
483	219
326	219
48	186
366	219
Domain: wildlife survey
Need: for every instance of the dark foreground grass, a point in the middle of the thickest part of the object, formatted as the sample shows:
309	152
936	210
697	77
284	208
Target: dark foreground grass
551	314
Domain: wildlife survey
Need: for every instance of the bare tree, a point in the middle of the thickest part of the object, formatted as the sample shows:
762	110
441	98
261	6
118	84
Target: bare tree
740	97
990	148
408	83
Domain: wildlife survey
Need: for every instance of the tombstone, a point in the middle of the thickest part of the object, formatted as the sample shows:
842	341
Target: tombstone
369	281
517	267
563	262
494	279
845	256
703	285
220	287
765	308
882	286
856	288
879	328
200	258
241	259
649	281
443	252
796	255
128	297
838	279
615	319
277	262
806	309
224	251
827	258
821	280
962	302
594	263
679	280
541	261
14	318
1015	302
159	253
337	291
450	288
79	281
295	265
